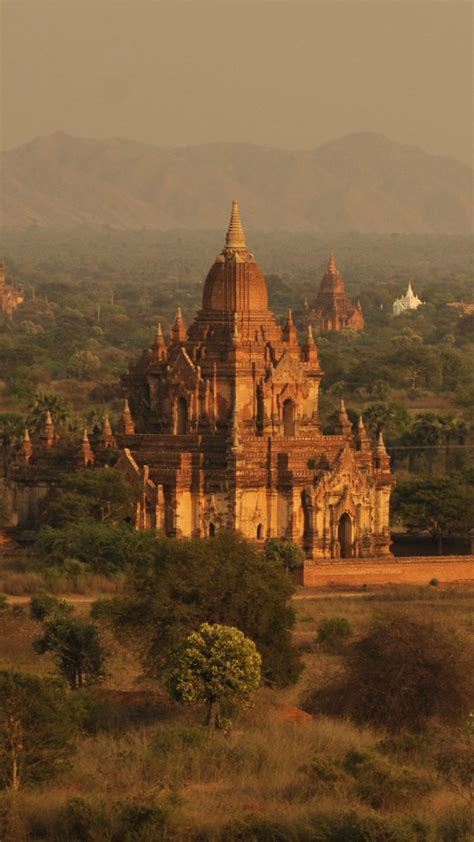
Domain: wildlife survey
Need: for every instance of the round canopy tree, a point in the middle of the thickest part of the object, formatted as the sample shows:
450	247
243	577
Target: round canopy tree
215	662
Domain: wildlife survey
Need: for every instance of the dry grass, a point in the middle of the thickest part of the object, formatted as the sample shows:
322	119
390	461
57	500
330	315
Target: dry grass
142	749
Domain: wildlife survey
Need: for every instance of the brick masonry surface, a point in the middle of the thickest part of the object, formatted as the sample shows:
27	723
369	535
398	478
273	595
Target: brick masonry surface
414	571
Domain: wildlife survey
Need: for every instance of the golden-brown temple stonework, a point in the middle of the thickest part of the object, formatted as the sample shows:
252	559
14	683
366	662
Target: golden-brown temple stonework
221	429
332	309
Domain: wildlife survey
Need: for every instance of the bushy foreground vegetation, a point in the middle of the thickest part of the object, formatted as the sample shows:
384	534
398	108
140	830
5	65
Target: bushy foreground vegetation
131	764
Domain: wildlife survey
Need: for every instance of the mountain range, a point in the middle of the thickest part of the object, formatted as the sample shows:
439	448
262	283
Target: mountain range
360	182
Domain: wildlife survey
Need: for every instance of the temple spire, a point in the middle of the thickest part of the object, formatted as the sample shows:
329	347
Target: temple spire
178	331
290	334
126	423
343	425
332	268
381	449
362	438
26	450
48	432
235	238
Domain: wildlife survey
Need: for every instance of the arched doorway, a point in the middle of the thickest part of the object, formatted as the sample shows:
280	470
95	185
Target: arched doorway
344	536
260	532
212	530
182	417
288	418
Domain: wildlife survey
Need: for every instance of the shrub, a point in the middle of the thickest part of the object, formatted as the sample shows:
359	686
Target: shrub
44	606
37	725
383	785
288	554
81	821
333	633
142	823
253	828
456	825
406	671
77	649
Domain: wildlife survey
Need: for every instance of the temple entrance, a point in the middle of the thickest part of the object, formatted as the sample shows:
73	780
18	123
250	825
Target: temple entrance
182	417
212	530
288	418
344	536
260	532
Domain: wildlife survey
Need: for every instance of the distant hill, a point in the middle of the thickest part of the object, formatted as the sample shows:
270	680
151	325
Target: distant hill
360	182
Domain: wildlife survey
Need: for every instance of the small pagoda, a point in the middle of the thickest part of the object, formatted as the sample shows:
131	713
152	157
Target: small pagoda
333	310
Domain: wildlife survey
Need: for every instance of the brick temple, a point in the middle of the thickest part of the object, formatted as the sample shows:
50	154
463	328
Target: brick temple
332	309
221	429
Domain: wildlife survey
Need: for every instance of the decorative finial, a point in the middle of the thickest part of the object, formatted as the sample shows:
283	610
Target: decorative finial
107	427
26	435
235	238
332	268
381	449
49	421
159	331
178	331
360	423
126	424
342	408
309	336
85	437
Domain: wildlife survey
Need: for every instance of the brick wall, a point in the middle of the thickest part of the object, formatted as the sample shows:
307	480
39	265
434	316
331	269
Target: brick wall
396	571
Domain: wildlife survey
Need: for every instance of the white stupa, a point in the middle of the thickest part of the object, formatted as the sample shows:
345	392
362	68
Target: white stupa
409	301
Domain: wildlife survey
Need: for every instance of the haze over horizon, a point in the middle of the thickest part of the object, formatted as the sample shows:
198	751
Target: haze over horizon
277	74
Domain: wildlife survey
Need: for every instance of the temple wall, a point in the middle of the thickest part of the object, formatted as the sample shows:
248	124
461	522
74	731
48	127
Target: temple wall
386	571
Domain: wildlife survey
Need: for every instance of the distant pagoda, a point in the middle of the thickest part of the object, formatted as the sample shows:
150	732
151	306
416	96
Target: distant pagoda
333	310
409	301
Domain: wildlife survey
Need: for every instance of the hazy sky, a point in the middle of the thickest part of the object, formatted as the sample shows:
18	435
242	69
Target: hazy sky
285	74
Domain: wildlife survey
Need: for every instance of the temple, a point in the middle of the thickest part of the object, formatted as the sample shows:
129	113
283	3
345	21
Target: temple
221	429
10	295
332	309
409	301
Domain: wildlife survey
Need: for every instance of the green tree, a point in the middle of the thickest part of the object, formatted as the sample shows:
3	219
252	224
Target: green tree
12	426
391	418
289	554
170	591
83	364
406	672
51	402
37	728
45	606
441	506
333	633
104	547
102	495
215	663
76	647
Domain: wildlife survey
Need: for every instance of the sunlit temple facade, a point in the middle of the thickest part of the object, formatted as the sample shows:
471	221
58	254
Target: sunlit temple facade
221	430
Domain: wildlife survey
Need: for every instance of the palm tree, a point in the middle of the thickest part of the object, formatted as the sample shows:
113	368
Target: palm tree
53	402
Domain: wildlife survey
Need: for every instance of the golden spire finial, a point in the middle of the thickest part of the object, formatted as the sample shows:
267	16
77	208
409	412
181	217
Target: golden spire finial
235	238
332	264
